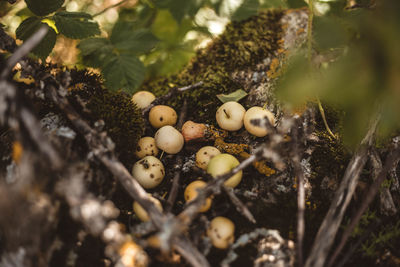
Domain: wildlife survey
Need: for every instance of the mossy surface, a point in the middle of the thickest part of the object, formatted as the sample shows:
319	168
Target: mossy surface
123	120
243	44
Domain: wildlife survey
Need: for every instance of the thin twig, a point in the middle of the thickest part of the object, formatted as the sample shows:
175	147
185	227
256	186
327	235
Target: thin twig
322	112
172	92
369	197
240	206
213	187
23	50
179	161
300	197
328	229
186	249
110	7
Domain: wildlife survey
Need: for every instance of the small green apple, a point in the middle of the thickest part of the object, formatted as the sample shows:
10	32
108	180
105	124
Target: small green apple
223	163
230	116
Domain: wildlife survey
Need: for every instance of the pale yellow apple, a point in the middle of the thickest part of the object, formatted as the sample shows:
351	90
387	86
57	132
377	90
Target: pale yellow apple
162	115
230	116
224	163
143	99
149	172
258	113
221	232
204	155
191	193
142	213
169	139
146	147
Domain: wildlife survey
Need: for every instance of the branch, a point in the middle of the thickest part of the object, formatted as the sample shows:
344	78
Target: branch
214	186
369	197
300	196
179	161
240	206
328	229
171	93
23	50
109	7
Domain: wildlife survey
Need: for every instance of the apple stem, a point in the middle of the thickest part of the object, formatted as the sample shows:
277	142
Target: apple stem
227	115
265	105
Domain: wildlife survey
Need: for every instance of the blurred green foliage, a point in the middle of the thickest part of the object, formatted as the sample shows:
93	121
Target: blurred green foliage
355	67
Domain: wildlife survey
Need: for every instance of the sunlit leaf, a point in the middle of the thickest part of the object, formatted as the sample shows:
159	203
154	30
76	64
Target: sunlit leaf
76	25
234	96
29	27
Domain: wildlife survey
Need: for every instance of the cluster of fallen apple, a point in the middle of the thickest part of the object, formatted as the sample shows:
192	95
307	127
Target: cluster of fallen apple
149	170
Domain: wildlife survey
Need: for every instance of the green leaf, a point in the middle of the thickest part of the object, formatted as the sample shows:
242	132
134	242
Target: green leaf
165	26
95	52
296	3
329	32
125	38
30	26
124	71
246	10
273	3
180	8
76	25
44	7
235	96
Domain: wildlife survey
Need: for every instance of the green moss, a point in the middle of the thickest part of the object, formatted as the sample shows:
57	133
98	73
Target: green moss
242	46
123	120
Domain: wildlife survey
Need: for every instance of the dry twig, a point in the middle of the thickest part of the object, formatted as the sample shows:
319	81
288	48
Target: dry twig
369	197
328	229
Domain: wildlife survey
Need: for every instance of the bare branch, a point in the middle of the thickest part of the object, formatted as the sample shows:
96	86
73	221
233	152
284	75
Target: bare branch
213	187
171	93
300	196
23	50
369	197
240	206
328	229
110	7
179	160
